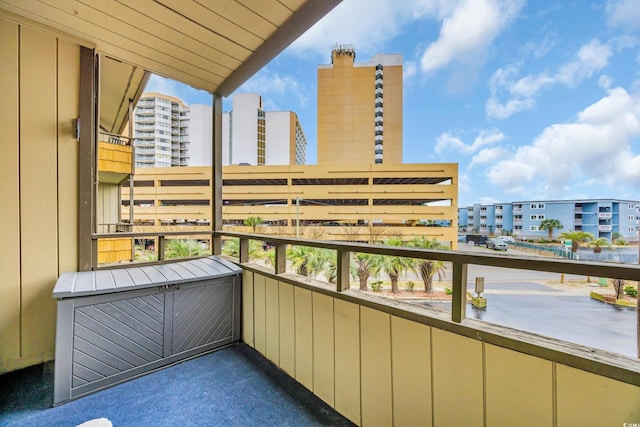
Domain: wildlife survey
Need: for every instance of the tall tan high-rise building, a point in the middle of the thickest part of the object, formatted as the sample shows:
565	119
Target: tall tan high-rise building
360	109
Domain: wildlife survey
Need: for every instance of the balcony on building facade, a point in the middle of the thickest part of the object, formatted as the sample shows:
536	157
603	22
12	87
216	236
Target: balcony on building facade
605	215
517	210
605	227
114	157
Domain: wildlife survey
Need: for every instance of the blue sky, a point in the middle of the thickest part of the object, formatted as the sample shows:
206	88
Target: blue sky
533	99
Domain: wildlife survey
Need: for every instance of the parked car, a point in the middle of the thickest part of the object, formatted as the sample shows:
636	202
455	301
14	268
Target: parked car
497	244
508	239
476	239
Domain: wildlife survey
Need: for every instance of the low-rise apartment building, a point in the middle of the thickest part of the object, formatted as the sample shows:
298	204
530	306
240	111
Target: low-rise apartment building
601	217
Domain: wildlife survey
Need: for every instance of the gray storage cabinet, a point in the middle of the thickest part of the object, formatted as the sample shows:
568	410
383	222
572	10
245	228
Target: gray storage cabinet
117	324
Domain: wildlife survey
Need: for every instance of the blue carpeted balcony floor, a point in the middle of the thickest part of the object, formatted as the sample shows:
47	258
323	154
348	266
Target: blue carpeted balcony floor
234	386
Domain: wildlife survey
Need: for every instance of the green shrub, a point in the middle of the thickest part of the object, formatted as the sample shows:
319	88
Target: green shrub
543	240
376	286
631	291
410	285
620	242
448	291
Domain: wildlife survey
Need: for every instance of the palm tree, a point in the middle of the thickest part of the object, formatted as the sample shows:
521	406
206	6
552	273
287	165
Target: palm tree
394	266
598	244
178	248
330	266
269	256
365	266
308	261
253	222
232	248
298	257
317	259
576	238
427	267
550	225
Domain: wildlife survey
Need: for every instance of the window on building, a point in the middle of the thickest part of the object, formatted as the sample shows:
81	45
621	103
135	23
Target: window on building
537	205
518	228
533	228
537	217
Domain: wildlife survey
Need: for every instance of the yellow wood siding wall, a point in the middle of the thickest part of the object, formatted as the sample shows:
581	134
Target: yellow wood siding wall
114	158
379	369
39	75
111	251
107	207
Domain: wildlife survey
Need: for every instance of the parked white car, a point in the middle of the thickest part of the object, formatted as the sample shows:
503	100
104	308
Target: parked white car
497	244
507	239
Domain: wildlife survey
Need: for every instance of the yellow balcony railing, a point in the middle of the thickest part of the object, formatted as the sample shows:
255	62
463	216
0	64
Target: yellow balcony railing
114	158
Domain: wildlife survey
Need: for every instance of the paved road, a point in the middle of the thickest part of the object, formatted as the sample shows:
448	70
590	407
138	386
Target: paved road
537	308
535	301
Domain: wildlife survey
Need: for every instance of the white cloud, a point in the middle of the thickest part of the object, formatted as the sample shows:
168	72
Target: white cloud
409	70
182	91
624	14
596	147
488	155
522	92
604	81
467	31
278	91
487	201
464	183
359	22
448	142
501	111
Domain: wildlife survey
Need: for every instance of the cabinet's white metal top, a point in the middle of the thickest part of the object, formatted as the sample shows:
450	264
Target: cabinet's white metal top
74	284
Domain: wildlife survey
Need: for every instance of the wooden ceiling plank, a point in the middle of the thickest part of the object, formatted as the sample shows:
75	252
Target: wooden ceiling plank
70	23
273	11
292	4
205	17
244	17
144	28
206	36
162	69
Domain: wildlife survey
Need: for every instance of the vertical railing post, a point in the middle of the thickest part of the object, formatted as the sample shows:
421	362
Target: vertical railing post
87	175
459	297
343	270
94	253
160	248
216	173
243	250
281	258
